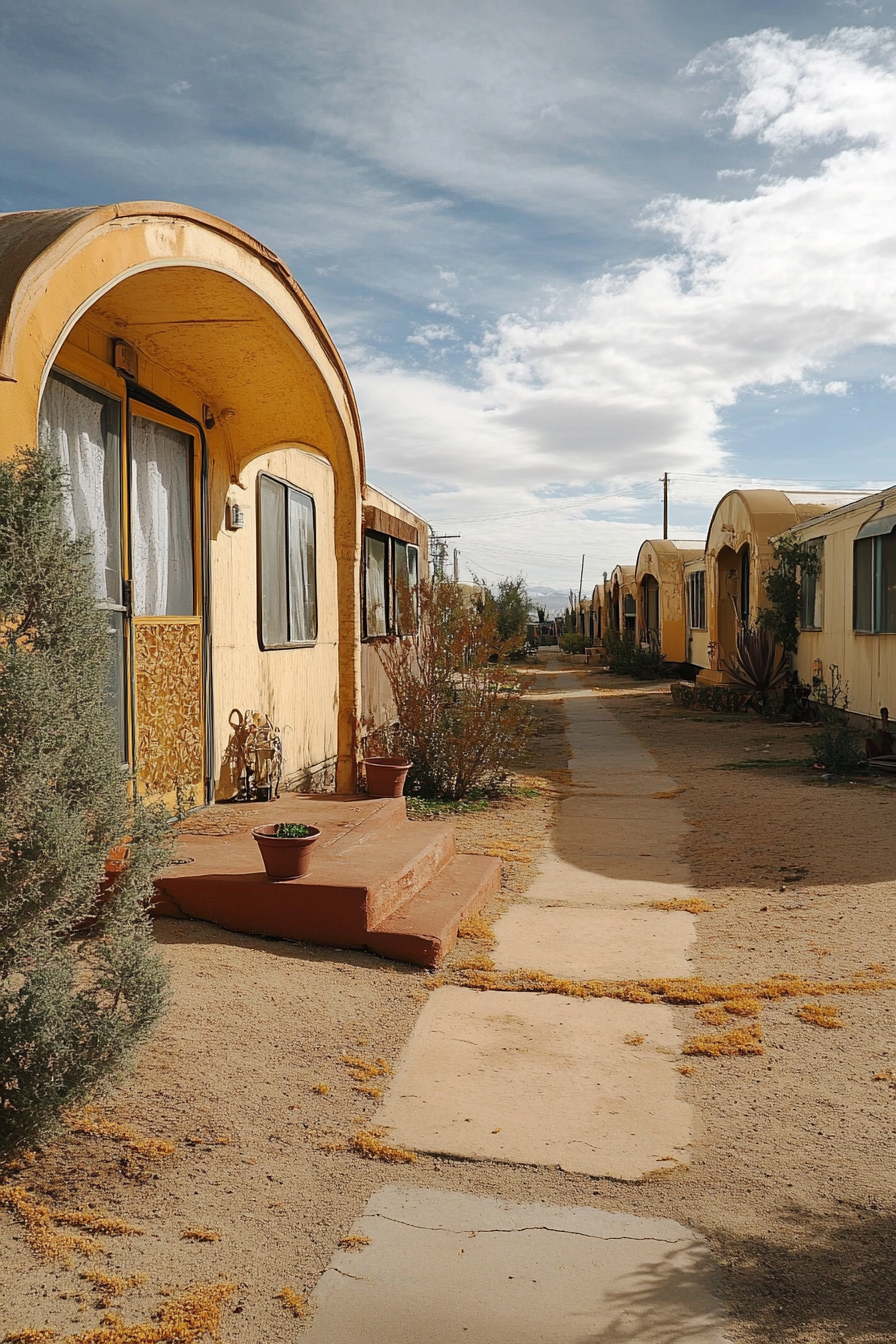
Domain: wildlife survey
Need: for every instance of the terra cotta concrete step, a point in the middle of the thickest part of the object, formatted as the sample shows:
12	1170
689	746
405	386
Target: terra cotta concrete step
369	862
424	929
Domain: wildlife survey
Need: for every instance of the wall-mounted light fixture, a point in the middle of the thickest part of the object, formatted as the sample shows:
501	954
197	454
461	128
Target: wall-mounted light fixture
124	359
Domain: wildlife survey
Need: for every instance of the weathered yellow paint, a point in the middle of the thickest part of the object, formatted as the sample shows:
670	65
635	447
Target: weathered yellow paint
867	662
663	561
622	584
217	321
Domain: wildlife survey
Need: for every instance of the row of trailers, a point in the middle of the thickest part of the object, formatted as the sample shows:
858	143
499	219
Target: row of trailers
689	600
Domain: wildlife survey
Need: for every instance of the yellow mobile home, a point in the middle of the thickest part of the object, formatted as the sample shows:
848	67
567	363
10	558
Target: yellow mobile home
739	552
214	450
660	596
848	613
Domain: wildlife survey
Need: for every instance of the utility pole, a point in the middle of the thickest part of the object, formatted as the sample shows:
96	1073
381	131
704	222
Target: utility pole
438	550
456	565
581	577
665	506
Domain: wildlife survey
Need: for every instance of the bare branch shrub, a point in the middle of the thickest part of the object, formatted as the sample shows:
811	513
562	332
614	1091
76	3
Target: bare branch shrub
461	721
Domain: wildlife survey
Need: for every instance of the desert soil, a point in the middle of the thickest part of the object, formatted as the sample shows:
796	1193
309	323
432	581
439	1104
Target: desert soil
793	1174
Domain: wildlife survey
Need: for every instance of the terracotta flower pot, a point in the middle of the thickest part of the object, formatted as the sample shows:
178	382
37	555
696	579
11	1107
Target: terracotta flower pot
386	776
285	856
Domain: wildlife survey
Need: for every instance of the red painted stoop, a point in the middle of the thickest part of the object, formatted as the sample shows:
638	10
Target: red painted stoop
377	880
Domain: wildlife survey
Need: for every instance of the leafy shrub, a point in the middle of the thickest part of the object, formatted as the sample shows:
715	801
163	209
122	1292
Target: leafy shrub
717	699
572	642
627	658
460	717
781	618
647	664
80	985
620	649
836	745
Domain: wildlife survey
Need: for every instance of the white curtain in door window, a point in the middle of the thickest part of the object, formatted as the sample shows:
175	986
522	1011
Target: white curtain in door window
161	520
302	584
71	427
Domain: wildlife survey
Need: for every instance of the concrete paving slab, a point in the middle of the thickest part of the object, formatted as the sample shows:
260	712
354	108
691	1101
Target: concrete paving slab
541	1079
589	944
565	882
449	1268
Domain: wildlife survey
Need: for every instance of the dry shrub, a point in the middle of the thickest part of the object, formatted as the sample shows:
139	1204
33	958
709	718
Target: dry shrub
362	1070
90	1121
739	1041
368	1090
322	1089
819	1015
687	1069
187	1318
693	905
199	1234
717	1014
353	1242
46	1241
635	1039
369	1143
295	1302
475	963
111	1285
478	927
461	719
684	991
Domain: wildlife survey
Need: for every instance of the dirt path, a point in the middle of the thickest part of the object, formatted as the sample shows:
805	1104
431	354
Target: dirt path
791	1174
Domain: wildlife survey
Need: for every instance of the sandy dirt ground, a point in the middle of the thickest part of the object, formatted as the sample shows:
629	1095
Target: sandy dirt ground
793	1174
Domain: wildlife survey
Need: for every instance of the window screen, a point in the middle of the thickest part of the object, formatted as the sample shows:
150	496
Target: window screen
287	564
863	584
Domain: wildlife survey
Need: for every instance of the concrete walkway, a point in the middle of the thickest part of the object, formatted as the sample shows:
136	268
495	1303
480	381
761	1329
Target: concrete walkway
586	1085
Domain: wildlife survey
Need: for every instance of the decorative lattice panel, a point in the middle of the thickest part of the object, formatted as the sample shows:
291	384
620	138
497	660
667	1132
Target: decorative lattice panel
168	674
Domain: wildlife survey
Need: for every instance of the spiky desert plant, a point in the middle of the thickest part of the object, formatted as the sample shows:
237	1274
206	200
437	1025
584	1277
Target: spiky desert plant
461	720
759	666
80	985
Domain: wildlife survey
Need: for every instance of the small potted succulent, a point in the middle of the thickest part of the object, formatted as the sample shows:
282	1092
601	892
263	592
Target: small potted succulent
386	775
286	848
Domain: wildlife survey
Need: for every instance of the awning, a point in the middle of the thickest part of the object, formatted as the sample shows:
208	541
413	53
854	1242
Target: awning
878	526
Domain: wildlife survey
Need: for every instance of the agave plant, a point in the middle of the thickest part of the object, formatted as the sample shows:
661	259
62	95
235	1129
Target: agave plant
760	665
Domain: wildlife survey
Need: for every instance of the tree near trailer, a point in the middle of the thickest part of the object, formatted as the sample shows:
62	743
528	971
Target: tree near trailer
80	983
461	720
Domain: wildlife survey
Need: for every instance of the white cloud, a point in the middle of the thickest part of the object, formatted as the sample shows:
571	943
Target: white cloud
429	333
627	376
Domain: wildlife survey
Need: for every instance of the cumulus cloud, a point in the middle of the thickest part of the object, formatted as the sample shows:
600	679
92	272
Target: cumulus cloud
629	374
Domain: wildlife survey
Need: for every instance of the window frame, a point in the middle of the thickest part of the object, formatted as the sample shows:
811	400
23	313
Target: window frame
393	621
259	544
876	598
817	580
697	579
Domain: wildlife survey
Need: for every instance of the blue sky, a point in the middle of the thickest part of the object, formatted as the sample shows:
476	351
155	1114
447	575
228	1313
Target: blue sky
563	247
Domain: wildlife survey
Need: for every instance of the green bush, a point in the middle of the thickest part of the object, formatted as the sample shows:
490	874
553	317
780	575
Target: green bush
717	699
80	983
572	642
836	745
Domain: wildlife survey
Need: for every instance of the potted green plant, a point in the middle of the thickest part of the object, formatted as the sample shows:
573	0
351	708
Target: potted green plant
386	775
286	848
